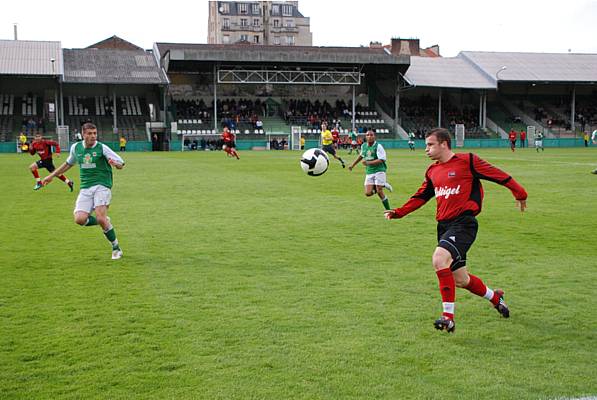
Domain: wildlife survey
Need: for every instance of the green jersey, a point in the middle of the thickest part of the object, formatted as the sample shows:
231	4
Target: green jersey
353	136
94	167
371	153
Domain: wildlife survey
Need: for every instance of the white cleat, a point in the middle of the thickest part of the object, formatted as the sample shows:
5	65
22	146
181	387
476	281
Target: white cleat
116	254
389	187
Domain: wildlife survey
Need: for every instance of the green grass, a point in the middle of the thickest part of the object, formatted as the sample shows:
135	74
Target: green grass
250	280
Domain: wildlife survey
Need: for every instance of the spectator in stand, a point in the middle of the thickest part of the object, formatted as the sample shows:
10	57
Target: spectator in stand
523	138
259	123
512	138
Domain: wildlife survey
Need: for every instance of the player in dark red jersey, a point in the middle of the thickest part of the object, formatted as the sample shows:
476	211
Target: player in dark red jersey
229	145
43	148
454	181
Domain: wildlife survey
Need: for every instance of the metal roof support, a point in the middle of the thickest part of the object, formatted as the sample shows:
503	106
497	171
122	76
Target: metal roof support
289	77
573	109
215	99
439	109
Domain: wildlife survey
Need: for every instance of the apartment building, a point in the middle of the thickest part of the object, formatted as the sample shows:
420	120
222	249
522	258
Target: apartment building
275	23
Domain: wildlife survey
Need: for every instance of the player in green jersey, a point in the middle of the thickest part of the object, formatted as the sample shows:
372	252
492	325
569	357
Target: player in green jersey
95	160
374	159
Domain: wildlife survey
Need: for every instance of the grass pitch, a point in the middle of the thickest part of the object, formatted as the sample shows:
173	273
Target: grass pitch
250	280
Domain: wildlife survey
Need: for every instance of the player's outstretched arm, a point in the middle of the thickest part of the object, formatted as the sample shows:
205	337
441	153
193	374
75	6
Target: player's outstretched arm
355	162
57	172
115	163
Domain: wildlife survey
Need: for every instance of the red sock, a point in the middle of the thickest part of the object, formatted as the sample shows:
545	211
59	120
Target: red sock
447	288
62	178
35	173
476	286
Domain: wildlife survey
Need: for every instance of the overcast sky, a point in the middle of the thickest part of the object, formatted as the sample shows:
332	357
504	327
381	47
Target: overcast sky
456	25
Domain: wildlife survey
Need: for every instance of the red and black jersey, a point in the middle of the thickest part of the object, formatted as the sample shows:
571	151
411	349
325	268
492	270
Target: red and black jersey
44	148
512	135
456	186
228	137
335	136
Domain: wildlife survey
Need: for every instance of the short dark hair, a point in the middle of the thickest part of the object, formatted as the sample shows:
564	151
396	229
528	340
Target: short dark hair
87	126
442	135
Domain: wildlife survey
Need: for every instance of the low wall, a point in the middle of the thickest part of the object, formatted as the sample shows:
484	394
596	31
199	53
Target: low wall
10	147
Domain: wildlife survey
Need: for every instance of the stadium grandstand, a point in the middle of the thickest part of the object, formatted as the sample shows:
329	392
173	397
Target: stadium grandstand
44	87
492	93
265	90
178	96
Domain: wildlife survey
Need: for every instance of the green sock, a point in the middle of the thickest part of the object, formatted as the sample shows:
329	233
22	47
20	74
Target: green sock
386	203
111	236
91	220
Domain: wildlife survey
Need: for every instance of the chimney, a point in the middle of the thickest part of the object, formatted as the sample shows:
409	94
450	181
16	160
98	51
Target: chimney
405	47
15	29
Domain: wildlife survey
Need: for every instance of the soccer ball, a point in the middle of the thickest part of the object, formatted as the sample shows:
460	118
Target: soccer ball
314	162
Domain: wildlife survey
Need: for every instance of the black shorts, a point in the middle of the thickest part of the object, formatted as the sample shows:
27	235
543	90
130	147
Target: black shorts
47	164
329	148
457	236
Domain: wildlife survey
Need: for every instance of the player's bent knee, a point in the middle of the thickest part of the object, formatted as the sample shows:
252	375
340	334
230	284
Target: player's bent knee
81	218
441	259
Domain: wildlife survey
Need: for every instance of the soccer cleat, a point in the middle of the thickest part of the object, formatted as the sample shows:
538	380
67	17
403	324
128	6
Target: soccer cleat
445	324
71	185
501	306
116	254
38	186
389	187
594	172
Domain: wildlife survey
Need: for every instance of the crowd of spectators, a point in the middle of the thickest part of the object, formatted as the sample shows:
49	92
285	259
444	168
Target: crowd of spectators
315	113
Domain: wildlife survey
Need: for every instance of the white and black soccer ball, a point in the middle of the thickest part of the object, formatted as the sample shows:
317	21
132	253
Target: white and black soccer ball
315	162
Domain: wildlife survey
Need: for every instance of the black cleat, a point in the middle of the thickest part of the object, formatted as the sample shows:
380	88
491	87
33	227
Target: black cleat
501	306
445	324
71	185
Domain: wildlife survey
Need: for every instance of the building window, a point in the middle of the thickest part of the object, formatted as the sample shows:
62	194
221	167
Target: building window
276	23
255	9
226	23
276	40
286	9
290	40
243	8
255	22
225	39
256	39
275	9
225	8
244	38
243	22
289	23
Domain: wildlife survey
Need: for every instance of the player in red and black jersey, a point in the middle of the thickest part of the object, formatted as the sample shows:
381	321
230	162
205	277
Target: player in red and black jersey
455	182
43	148
229	145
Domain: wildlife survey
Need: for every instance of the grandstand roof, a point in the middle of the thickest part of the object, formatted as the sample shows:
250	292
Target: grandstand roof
446	73
27	57
111	66
535	67
230	53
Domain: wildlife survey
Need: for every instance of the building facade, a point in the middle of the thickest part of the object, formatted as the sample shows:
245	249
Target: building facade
274	23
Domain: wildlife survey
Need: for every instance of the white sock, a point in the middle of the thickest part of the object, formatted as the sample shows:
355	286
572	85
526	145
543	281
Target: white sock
489	294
